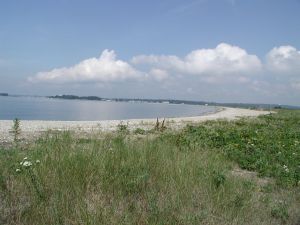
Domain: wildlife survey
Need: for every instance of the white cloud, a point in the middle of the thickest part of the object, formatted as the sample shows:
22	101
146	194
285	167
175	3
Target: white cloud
158	74
225	67
106	68
284	60
225	59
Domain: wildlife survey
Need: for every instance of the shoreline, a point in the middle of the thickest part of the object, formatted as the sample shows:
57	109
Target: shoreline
33	128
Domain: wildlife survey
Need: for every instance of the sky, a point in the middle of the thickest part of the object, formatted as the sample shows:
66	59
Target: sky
205	50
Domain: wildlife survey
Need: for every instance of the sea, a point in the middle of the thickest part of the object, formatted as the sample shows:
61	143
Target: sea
43	108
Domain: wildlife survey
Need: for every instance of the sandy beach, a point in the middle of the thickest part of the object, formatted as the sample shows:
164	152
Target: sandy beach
33	128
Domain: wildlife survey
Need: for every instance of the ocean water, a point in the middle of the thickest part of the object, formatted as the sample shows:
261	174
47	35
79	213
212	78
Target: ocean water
41	108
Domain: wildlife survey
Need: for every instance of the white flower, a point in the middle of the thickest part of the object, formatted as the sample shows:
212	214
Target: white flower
25	158
18	170
286	168
27	164
38	161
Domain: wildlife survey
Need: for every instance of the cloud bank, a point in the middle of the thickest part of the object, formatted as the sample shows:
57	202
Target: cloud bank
222	62
225	68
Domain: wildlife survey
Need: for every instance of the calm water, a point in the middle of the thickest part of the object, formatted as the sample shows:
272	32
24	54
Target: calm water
38	108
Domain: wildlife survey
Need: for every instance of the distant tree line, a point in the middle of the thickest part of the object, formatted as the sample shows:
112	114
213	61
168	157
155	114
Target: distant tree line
173	101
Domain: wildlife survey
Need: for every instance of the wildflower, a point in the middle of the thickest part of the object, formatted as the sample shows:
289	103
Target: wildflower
286	168
18	170
25	158
27	164
37	161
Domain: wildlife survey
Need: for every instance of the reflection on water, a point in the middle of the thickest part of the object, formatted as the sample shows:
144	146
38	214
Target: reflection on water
35	108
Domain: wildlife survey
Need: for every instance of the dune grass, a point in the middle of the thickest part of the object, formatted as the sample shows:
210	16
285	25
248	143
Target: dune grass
153	177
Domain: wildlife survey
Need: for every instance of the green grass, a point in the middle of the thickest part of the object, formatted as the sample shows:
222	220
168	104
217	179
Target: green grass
269	144
170	177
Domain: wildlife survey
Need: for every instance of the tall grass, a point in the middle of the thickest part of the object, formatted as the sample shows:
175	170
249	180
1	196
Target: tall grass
172	177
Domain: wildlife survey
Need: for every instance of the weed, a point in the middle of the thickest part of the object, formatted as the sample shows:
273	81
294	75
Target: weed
218	178
16	130
27	168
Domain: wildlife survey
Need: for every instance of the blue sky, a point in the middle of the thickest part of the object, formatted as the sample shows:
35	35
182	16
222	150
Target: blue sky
214	50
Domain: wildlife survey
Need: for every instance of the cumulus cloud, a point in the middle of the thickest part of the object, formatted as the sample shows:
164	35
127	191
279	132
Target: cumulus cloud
225	59
106	68
225	66
158	74
284	60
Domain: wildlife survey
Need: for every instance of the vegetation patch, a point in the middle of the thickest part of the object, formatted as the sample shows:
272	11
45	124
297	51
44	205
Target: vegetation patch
166	177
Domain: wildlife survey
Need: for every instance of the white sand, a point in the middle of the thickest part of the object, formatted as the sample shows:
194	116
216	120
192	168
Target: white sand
34	127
